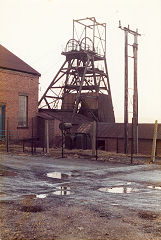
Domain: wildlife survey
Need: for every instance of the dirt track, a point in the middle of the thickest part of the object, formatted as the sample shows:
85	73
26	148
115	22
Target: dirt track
47	198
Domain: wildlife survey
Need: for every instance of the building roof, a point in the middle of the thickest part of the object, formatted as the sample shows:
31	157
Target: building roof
116	130
11	62
104	130
64	115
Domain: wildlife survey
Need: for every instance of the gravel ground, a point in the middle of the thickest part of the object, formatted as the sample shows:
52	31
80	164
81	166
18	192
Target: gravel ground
52	219
32	207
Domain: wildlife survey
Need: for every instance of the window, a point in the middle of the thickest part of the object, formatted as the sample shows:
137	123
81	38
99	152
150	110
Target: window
23	111
2	121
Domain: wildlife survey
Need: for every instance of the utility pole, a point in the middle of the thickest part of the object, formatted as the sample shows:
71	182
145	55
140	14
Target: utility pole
135	96
134	141
126	96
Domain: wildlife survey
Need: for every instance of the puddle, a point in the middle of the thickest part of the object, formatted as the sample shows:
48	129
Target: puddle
123	189
128	183
155	187
61	191
41	195
58	175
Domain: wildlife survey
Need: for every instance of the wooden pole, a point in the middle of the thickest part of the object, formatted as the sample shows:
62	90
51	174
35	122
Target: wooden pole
126	96
62	139
62	143
47	135
135	98
132	141
154	142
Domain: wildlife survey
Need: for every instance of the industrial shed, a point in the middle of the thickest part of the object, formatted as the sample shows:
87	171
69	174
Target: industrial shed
54	118
110	137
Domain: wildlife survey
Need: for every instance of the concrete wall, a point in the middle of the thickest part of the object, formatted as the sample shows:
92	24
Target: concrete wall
12	84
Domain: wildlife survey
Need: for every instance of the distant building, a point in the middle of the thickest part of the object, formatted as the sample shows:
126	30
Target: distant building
18	95
55	118
110	137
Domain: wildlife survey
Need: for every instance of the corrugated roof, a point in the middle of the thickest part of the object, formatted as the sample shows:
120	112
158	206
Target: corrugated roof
66	116
11	62
116	130
85	128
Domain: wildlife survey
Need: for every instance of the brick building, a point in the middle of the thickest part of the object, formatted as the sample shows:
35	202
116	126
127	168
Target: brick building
110	136
18	95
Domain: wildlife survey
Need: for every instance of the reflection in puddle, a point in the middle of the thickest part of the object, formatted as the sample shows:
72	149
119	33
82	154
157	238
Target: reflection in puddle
129	183
62	191
41	195
123	189
58	175
155	187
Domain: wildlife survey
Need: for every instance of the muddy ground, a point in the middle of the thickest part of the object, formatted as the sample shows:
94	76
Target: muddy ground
48	197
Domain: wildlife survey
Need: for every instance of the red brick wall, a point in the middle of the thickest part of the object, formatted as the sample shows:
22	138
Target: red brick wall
12	84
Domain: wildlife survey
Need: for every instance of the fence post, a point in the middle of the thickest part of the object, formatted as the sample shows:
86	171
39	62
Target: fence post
62	137
117	142
7	137
132	141
47	135
154	142
94	139
32	146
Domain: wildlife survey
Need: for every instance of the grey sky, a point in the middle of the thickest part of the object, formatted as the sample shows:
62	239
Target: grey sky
38	30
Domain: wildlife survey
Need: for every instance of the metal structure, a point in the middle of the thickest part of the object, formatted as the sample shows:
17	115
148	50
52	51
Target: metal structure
83	78
135	90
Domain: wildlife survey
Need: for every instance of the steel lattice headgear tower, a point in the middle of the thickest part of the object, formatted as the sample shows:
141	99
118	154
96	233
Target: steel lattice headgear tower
85	86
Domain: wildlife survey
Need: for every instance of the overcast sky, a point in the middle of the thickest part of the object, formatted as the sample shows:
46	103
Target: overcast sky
38	30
